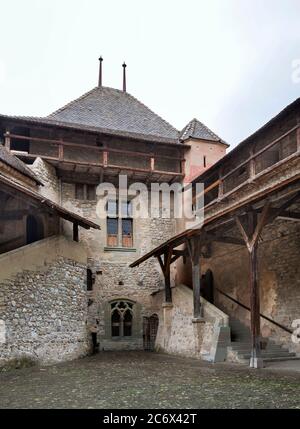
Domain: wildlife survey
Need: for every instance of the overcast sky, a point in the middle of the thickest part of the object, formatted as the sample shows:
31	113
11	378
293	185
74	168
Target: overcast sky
228	63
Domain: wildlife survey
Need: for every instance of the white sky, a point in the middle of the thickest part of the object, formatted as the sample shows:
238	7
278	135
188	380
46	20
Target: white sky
226	62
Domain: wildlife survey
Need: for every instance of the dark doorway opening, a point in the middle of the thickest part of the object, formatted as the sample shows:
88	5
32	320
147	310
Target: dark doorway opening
150	328
34	229
207	286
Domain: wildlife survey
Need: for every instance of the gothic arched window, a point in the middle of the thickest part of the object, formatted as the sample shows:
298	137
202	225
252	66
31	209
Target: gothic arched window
121	319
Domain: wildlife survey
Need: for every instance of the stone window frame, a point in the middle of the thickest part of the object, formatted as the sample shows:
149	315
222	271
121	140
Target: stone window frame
137	321
121	308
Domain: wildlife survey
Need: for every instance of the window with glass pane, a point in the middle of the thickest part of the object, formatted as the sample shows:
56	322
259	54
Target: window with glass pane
115	323
119	224
127	233
112	232
121	319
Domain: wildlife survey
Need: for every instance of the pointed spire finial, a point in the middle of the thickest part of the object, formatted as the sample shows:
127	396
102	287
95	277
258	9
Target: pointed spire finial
100	72
124	76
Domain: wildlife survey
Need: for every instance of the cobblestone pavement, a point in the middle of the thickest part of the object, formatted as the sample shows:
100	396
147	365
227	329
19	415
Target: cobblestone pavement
147	380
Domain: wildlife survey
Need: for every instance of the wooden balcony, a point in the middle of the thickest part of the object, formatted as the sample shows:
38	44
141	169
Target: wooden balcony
75	158
227	184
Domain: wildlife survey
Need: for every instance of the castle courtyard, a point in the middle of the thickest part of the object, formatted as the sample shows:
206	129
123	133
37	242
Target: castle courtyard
149	380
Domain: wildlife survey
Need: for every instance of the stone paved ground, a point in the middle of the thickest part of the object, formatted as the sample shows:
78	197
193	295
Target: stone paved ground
147	380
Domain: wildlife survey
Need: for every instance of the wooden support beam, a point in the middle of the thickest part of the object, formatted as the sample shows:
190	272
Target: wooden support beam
255	309
75	232
224	239
105	159
152	164
165	267
298	139
194	246
167	274
60	152
251	239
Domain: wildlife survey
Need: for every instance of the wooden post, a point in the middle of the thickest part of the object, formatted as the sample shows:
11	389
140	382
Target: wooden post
75	232
251	239
165	267
60	152
167	274
221	184
193	246
7	140
168	291
255	309
105	159
152	163
298	139
196	287
252	165
182	167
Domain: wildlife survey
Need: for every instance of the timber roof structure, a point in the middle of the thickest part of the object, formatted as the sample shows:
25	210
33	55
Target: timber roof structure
29	194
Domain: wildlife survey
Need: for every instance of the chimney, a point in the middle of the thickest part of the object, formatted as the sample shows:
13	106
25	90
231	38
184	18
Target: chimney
100	72
124	76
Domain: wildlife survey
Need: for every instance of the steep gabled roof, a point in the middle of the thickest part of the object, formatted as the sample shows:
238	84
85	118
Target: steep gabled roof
14	162
197	130
115	110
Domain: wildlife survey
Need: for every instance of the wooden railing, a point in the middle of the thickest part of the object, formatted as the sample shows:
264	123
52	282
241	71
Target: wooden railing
104	154
218	189
284	328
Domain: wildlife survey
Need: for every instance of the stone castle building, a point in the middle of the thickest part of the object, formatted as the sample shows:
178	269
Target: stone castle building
71	279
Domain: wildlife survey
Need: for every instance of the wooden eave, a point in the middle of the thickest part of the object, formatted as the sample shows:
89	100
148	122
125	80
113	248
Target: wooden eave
48	204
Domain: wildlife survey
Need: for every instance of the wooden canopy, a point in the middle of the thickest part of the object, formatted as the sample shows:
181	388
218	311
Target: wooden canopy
29	194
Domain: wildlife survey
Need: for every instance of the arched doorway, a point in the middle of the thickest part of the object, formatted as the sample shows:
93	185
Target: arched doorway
150	329
34	229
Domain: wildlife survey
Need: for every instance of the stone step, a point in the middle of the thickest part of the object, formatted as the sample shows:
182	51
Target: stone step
281	359
270	355
267	350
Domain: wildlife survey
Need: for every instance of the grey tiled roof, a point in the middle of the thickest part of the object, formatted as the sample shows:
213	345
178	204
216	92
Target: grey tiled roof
117	111
197	130
14	162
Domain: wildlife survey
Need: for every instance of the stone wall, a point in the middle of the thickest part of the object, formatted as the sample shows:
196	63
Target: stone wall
43	310
279	279
113	277
47	175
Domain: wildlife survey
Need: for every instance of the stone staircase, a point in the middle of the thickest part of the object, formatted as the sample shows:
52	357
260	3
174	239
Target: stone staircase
240	347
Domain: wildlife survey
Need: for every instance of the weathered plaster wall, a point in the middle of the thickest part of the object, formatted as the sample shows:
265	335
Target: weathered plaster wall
43	303
177	333
194	164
